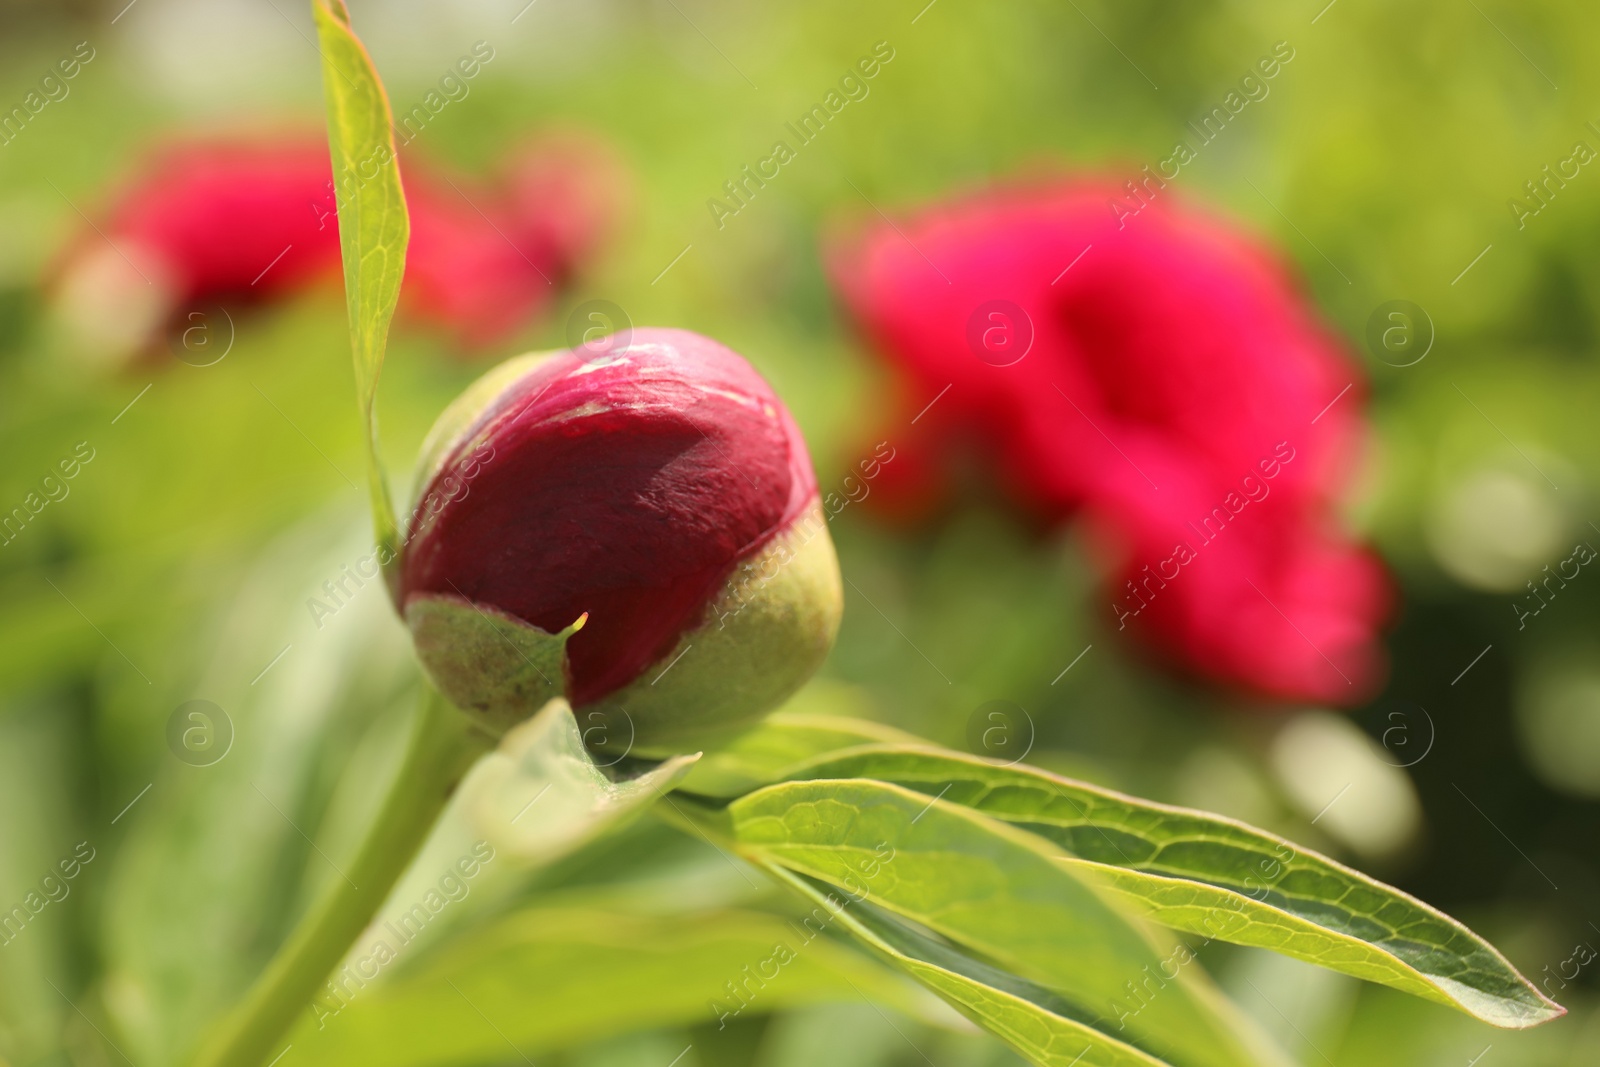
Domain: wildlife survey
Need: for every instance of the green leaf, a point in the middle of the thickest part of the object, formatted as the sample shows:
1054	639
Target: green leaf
546	978
1210	875
1038	1024
541	795
212	868
44	835
761	755
373	226
536	799
1000	893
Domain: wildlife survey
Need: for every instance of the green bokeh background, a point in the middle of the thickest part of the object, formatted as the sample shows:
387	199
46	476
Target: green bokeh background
1381	164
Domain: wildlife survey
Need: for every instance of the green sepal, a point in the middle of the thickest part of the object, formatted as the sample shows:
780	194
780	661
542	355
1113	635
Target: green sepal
497	669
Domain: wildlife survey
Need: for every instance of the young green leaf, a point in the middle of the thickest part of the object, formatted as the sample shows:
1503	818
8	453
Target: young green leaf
373	225
1041	1026
1214	876
545	978
1000	893
464	643
536	799
542	766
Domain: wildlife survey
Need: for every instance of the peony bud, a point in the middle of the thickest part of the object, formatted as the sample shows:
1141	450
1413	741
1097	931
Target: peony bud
655	507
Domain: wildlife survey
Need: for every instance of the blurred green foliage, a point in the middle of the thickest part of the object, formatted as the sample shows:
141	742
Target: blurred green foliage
1381	163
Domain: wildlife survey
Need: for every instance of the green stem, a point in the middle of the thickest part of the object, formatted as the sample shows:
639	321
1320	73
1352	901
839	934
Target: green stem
443	746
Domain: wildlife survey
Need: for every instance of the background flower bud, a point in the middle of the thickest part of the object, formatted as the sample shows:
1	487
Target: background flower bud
659	506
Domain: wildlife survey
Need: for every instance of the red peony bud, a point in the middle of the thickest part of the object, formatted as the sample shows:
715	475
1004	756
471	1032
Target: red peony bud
660	500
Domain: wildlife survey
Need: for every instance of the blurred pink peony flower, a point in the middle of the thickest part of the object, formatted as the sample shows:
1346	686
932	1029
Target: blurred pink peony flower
1160	374
236	222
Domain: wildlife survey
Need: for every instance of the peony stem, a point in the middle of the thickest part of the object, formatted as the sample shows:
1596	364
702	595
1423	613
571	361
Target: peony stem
442	747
